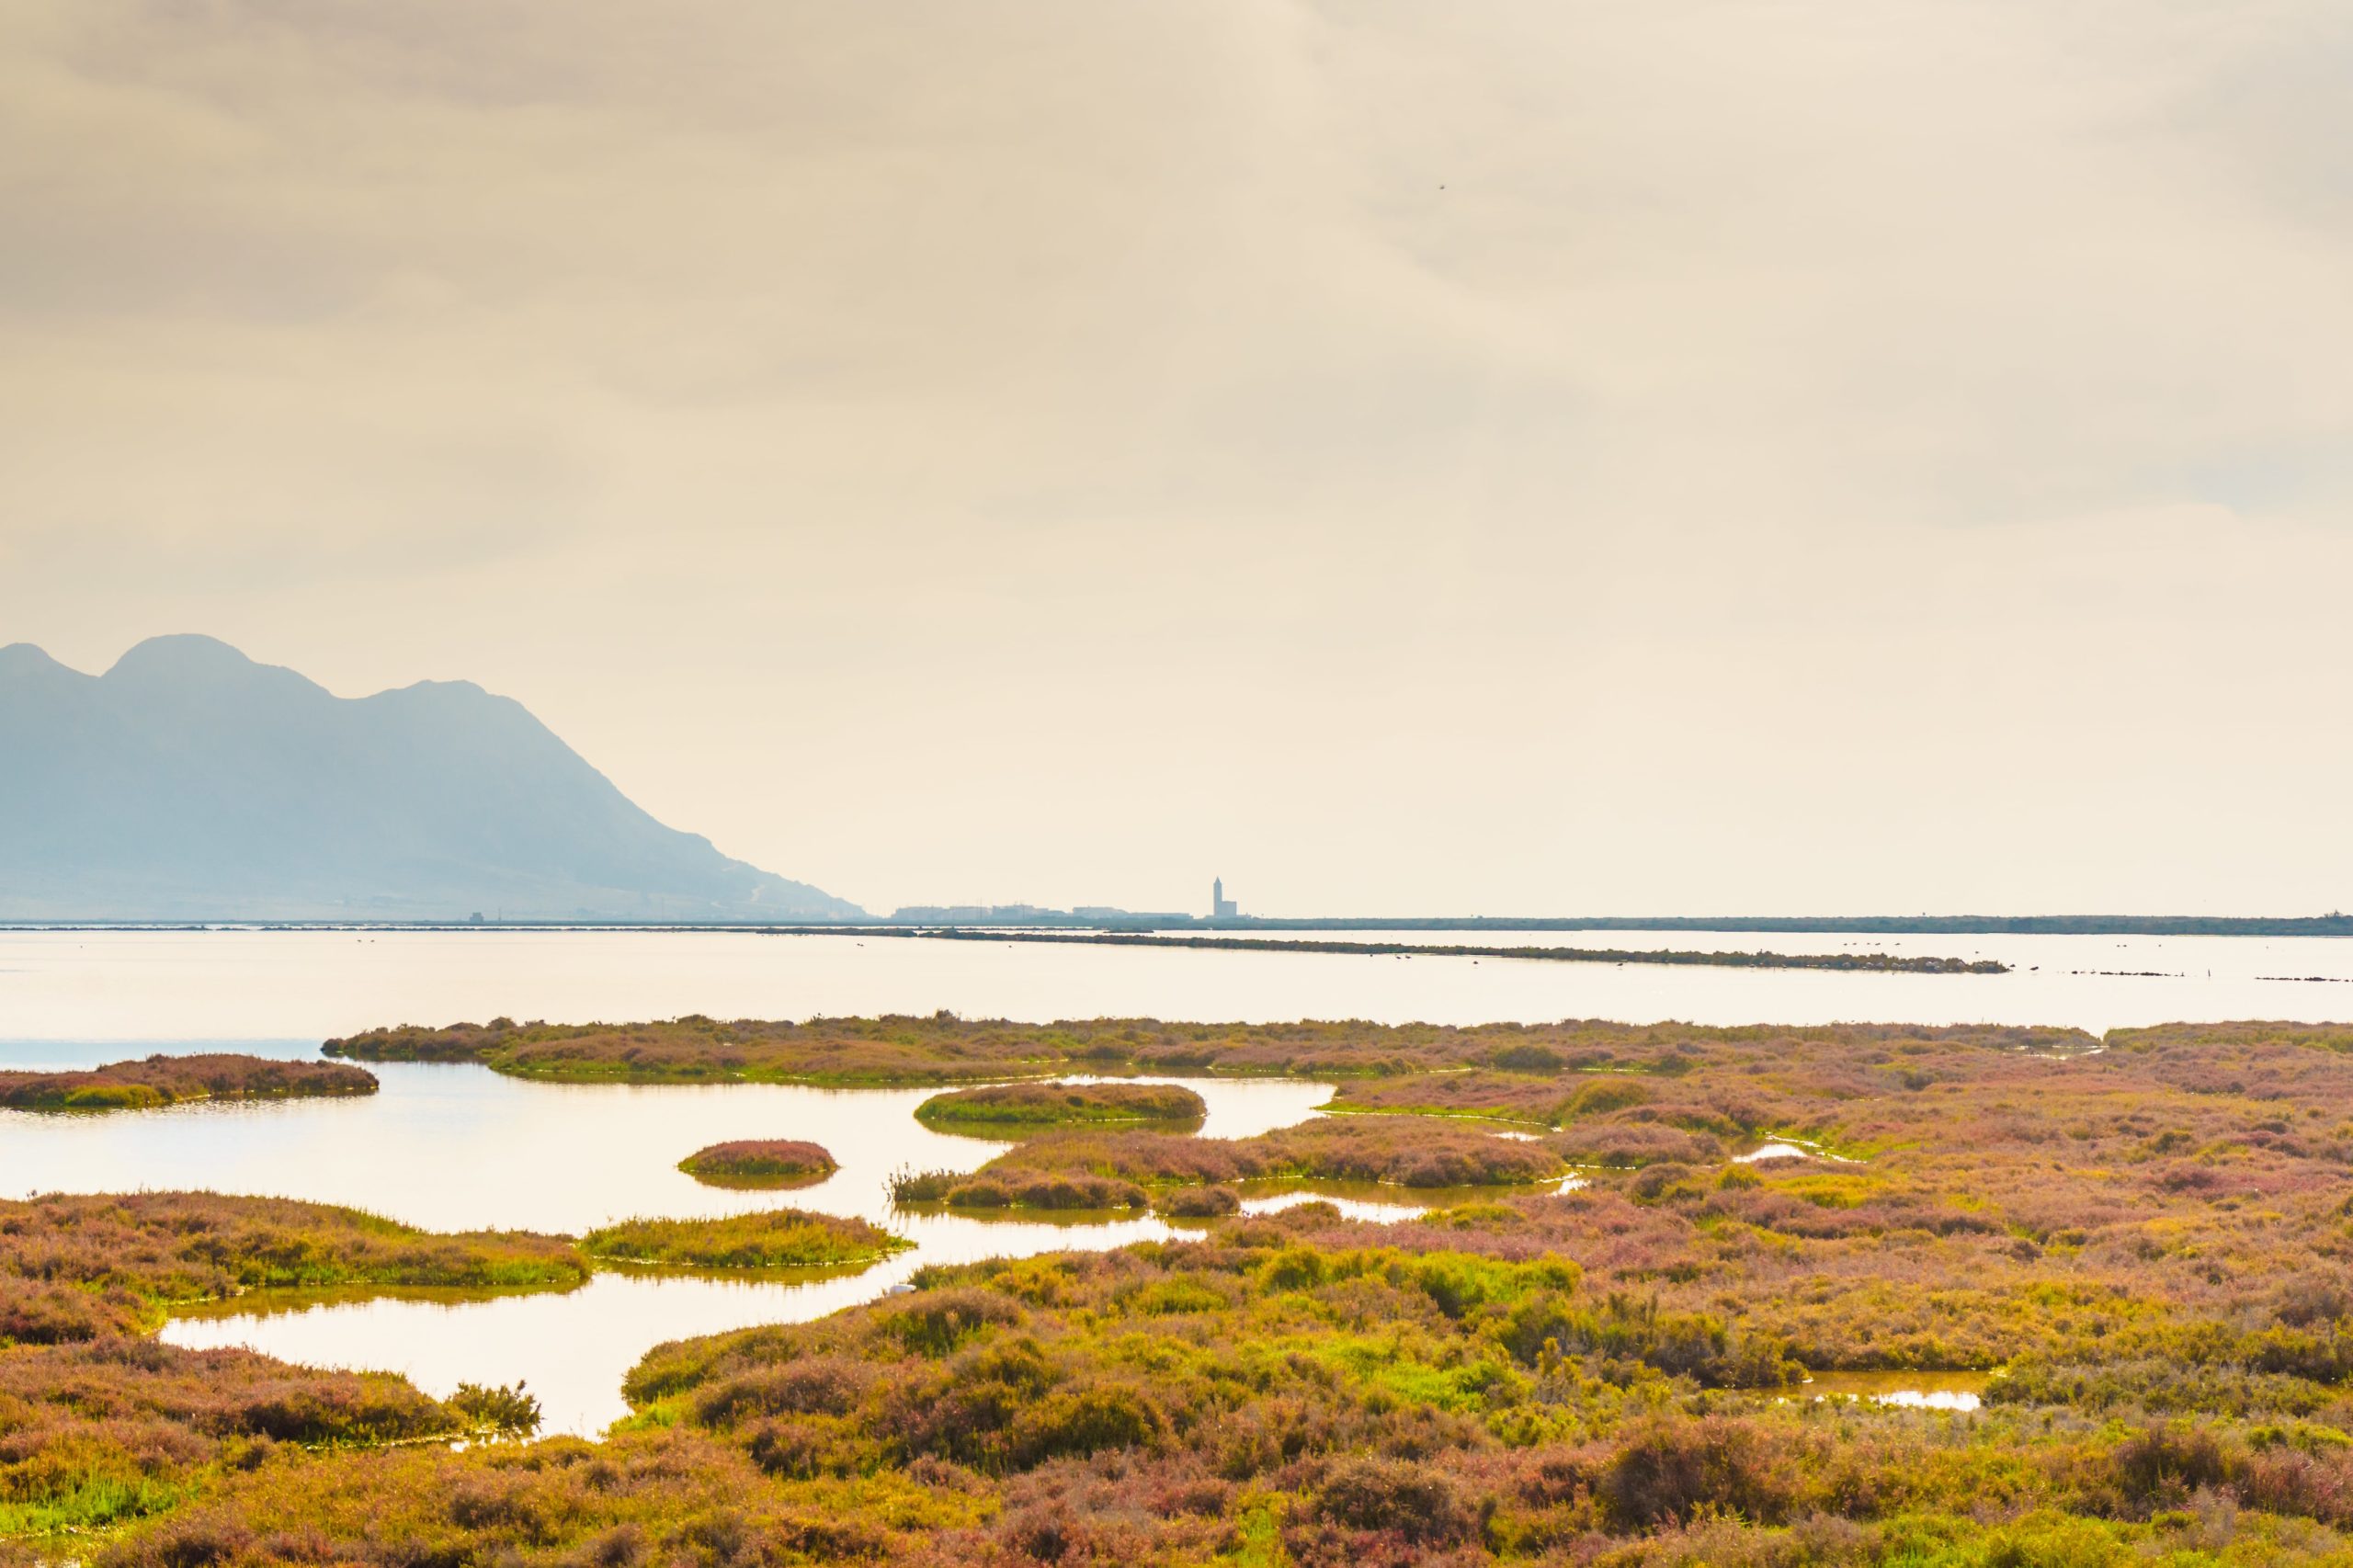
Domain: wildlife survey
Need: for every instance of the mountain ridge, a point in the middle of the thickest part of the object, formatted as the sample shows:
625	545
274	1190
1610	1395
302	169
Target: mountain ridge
189	781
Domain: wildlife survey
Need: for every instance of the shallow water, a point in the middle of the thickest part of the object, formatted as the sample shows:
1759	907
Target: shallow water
311	985
459	1147
1916	1390
1789	1146
573	1348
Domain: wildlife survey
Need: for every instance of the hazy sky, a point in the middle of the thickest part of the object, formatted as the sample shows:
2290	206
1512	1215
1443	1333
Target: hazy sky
1878	456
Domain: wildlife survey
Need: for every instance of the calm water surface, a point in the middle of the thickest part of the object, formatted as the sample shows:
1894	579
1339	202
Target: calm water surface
311	985
456	1148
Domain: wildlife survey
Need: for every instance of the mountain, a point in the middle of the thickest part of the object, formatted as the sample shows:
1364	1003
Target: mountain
190	783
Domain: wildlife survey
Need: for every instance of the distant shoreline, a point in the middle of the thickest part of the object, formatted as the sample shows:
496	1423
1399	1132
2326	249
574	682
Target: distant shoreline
1864	924
1855	963
1862	963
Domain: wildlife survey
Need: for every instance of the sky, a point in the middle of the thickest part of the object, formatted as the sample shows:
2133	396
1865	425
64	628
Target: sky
1545	458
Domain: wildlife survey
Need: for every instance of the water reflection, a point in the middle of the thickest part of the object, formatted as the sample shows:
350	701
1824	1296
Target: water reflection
1765	1152
1789	1146
1916	1390
456	1148
1378	1202
574	1348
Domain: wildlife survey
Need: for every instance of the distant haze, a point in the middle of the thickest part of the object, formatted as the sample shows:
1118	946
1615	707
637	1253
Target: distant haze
189	782
1527	456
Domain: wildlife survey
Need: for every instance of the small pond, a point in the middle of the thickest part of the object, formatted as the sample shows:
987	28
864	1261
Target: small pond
1917	1391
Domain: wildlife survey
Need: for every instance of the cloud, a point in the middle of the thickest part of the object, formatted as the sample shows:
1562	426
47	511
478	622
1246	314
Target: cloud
1524	416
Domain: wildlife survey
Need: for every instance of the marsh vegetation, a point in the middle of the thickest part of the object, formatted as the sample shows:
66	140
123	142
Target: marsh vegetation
77	1268
2149	1243
158	1081
1125	1169
772	1238
1004	1108
1299	1389
99	1425
942	1047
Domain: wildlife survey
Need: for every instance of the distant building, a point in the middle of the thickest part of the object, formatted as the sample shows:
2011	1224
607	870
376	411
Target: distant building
1221	906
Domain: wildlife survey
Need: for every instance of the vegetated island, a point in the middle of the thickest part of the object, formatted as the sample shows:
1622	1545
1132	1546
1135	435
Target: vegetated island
760	1162
1869	963
2147	1247
1002	1107
941	1048
158	1081
1126	1169
774	1238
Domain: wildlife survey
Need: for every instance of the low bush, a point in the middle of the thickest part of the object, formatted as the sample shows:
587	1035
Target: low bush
1015	1106
774	1238
93	1434
495	1408
1198	1202
1416	1504
759	1163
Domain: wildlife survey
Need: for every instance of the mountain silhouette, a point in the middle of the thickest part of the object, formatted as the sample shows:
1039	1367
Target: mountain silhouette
190	783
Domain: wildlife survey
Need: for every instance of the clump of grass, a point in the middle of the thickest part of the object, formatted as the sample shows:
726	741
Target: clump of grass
496	1408
1199	1202
774	1238
1623	1145
908	1185
760	1162
1021	1106
159	1081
